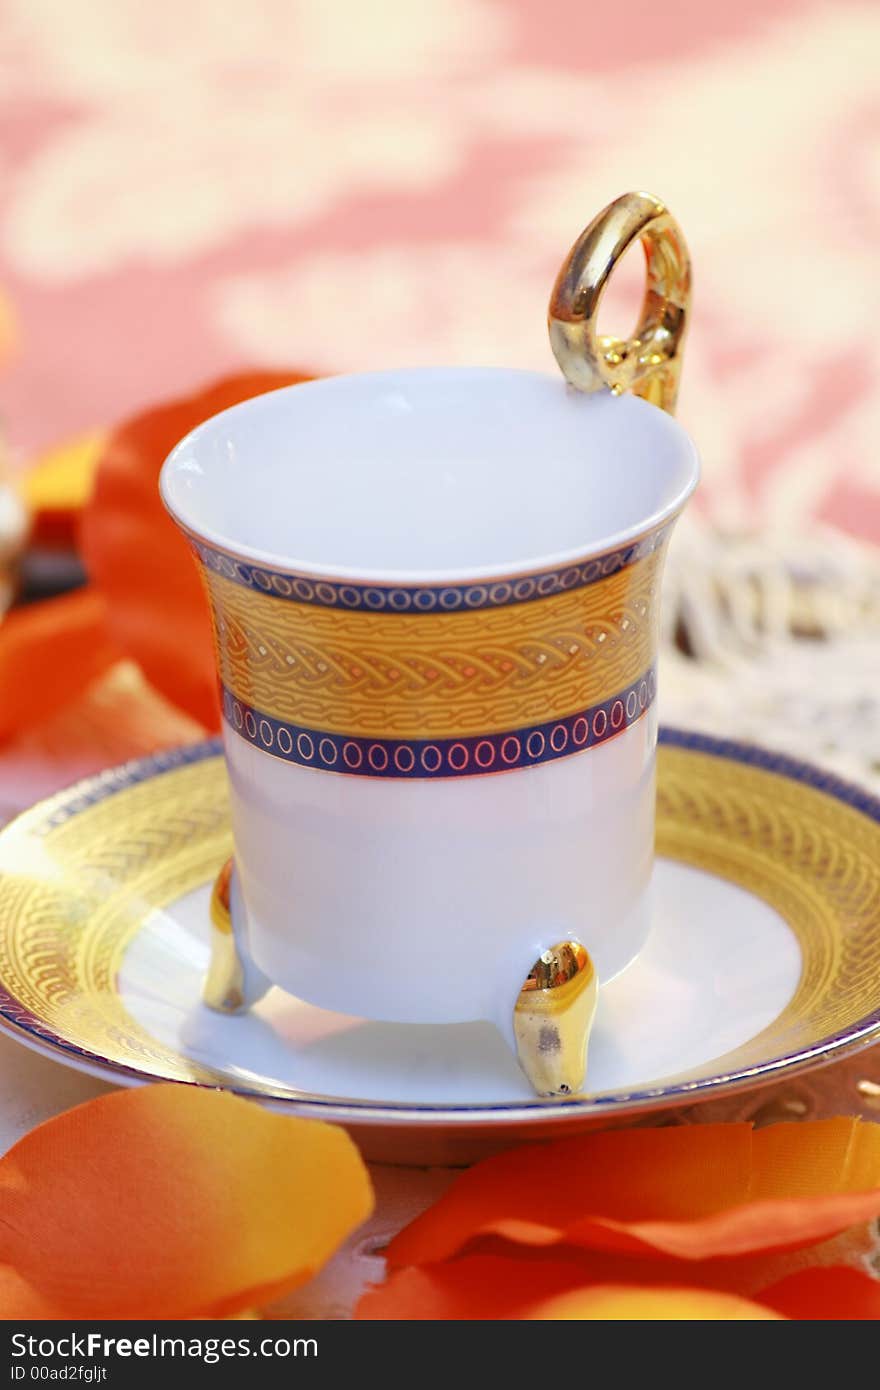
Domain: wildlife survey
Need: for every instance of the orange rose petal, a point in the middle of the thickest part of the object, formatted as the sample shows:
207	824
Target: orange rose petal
133	551
57	486
746	1275
171	1201
49	653
504	1281
19	1300
627	1174
692	1192
496	1287
623	1302
472	1288
816	1157
785	1224
833	1294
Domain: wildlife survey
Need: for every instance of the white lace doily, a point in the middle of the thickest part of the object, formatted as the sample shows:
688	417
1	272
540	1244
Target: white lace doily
775	639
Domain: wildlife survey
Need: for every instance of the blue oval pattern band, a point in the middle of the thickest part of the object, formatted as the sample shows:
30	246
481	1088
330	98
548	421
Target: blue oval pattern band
414	759
427	598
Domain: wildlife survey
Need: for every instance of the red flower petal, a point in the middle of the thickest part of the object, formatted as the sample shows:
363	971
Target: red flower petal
476	1287
49	653
832	1294
504	1288
691	1192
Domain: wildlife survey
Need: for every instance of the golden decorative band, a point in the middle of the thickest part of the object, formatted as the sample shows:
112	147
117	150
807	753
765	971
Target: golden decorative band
393	675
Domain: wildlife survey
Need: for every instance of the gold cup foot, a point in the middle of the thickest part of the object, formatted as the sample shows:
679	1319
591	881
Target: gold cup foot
553	1019
231	985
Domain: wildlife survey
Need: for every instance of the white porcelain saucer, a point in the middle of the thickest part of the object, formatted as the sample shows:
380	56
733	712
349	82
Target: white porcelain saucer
763	959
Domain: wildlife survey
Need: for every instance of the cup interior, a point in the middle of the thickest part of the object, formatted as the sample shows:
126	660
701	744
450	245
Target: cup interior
429	473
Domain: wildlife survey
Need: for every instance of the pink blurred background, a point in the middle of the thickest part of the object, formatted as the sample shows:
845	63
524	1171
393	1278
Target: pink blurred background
187	188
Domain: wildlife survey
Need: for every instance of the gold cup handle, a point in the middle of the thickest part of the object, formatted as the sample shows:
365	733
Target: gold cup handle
649	363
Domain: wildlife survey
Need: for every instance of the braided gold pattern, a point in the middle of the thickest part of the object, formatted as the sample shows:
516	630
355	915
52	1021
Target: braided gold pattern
79	876
398	675
63	931
809	855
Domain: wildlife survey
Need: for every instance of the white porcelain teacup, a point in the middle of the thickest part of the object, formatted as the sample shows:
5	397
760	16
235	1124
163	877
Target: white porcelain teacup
435	595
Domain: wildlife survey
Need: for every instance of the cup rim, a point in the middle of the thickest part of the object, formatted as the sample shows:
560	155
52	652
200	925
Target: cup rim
554	560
